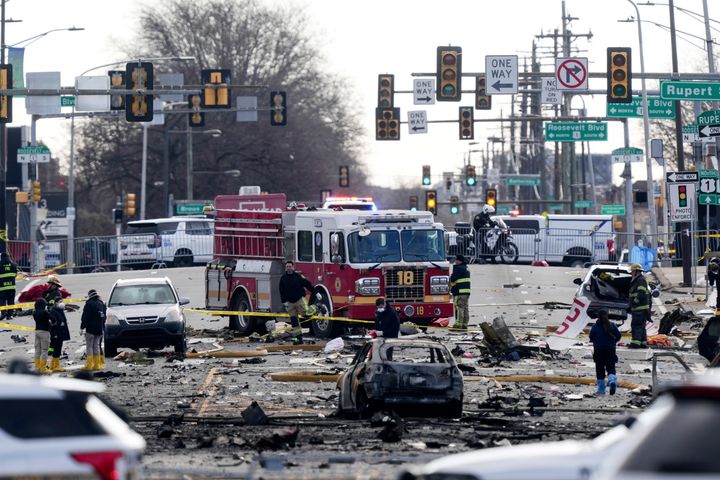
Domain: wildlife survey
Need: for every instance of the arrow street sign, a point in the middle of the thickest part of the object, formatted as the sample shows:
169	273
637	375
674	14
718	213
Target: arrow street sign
424	91
689	90
571	73
417	122
708	199
522	181
709	130
575	131
631	154
37	154
681	177
612	210
657	108
501	72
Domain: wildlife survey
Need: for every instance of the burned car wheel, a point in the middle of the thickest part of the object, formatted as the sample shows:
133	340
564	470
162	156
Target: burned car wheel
455	409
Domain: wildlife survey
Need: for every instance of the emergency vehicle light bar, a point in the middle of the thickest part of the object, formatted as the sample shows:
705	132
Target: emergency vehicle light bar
345	199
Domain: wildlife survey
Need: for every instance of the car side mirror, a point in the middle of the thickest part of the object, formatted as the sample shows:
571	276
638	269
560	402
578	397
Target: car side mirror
184	300
577	281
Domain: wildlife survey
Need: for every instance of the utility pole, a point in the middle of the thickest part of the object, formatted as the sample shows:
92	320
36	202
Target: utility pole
3	152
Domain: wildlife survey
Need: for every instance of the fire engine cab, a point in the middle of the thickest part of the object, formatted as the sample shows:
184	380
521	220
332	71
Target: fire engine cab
351	257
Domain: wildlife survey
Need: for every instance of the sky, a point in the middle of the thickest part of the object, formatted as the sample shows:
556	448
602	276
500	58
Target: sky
361	39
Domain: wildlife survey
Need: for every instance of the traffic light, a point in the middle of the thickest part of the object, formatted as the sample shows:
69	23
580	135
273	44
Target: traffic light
117	215
344	176
117	80
431	201
470	175
448	182
426	175
414	201
482	100
196	118
6	83
278	109
619	75
138	106
449	74
130	204
216	88
682	196
387	124
454	205
36	191
491	197
467	125
324	194
386	91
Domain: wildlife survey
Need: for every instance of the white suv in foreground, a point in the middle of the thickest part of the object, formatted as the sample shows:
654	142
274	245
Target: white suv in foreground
176	241
56	428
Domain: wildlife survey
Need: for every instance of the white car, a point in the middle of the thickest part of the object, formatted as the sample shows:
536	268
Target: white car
58	428
176	241
565	460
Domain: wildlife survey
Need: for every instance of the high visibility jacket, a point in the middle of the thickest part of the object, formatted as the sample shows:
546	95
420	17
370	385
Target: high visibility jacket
460	280
639	295
8	272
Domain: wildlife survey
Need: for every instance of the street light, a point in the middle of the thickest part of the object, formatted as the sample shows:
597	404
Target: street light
37	37
232	173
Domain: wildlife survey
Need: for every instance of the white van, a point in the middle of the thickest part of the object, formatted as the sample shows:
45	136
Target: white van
569	240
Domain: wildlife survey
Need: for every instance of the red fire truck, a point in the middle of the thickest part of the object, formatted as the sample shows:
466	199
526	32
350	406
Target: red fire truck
352	257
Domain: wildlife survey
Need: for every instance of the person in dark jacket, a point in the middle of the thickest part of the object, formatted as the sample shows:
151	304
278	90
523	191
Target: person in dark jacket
59	332
92	323
460	290
639	306
292	294
8	272
713	274
386	319
42	335
604	335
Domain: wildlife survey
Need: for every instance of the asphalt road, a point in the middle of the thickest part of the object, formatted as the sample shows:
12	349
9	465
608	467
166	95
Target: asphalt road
188	410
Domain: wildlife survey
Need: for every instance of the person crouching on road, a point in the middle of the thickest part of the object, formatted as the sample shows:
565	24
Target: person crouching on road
387	321
93	325
460	289
42	335
604	335
292	294
59	332
639	306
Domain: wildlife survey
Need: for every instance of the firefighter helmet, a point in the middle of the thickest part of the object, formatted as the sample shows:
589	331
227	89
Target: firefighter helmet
636	267
54	280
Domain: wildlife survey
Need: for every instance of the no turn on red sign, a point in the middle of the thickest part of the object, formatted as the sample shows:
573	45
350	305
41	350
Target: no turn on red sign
571	73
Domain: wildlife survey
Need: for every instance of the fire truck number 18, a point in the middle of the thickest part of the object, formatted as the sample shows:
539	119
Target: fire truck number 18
405	277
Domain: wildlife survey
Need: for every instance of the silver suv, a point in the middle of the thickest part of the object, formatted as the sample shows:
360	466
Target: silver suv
176	241
145	312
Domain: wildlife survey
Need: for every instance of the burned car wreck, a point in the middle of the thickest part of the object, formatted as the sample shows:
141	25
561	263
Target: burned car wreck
411	375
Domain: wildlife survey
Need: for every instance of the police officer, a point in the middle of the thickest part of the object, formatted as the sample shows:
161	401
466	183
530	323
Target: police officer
639	306
8	272
460	289
292	295
713	274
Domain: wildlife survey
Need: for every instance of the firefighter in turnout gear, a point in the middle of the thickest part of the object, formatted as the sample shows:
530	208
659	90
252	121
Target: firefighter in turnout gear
8	272
292	295
639	306
460	289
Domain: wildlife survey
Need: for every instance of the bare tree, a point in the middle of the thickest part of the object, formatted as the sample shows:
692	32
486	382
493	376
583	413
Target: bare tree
265	48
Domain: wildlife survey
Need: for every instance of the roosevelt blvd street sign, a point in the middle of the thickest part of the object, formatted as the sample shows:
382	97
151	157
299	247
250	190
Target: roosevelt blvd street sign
689	133
36	154
630	154
575	131
612	210
657	108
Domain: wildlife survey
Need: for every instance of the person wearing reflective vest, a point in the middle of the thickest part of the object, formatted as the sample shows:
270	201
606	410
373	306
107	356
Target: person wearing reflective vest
8	272
639	306
460	289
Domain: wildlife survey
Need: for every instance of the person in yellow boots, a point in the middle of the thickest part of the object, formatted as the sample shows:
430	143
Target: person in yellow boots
42	335
59	332
93	324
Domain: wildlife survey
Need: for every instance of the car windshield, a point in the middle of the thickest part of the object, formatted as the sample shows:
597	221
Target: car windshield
378	246
423	245
141	295
412	354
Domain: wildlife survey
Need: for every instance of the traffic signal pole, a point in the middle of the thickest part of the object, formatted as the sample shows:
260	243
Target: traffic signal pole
3	153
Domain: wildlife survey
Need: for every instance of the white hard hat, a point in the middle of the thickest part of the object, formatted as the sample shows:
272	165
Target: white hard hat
488	209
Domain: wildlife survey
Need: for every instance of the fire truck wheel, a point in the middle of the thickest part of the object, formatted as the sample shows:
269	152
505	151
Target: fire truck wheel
242	323
326	328
183	258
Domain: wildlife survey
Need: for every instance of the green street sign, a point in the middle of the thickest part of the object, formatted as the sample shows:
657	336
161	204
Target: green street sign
36	154
502	209
555	206
657	108
612	210
708	199
670	90
522	182
709	174
67	101
189	208
575	131
628	154
711	117
583	204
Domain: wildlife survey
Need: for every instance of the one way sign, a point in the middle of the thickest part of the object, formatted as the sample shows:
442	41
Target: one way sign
501	73
424	91
709	130
681	177
417	122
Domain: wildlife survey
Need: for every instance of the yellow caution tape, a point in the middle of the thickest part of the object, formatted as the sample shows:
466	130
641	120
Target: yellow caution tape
17	327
